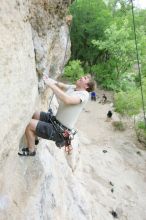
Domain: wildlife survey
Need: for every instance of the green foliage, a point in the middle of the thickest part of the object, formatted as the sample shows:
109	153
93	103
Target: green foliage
104	76
127	81
128	103
141	131
107	78
119	46
144	85
141	125
90	18
144	91
73	70
141	35
102	37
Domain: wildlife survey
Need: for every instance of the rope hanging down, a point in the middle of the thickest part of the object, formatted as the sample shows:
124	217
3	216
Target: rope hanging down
138	62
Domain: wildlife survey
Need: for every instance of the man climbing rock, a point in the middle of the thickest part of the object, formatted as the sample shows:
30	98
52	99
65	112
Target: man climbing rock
57	128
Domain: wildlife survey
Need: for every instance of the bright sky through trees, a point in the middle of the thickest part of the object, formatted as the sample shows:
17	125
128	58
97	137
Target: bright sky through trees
140	3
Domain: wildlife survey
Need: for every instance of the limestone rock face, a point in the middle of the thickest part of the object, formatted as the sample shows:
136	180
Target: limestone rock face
19	83
34	40
50	35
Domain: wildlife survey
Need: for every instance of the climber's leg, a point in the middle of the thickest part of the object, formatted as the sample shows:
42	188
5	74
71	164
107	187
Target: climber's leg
30	138
41	116
41	129
36	115
30	134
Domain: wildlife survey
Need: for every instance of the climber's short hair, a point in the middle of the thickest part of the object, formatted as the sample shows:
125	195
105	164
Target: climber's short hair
91	84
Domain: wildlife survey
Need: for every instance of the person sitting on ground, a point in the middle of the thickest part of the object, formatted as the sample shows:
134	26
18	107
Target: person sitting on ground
93	96
71	104
104	98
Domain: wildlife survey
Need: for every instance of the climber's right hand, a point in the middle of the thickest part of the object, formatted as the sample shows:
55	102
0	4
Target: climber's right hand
48	81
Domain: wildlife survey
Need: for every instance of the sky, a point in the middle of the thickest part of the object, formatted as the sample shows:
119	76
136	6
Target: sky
140	3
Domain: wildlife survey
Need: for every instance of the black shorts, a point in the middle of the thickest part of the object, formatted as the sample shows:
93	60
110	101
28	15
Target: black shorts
45	129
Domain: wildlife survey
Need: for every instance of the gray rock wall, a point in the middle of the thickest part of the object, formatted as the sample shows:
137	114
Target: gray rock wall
33	40
50	35
18	84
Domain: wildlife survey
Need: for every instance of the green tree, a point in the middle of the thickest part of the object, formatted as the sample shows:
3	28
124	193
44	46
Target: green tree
73	70
120	49
90	19
112	55
128	103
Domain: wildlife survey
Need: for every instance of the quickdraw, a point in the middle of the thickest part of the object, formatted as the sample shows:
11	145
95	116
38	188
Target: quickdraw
68	137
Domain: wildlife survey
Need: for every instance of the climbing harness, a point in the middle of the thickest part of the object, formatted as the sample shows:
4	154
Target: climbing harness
65	135
138	62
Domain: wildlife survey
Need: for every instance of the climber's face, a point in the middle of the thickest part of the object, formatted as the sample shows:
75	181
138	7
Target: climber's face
82	83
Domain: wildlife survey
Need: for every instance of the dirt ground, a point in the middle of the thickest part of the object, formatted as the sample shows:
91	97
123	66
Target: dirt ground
114	160
93	122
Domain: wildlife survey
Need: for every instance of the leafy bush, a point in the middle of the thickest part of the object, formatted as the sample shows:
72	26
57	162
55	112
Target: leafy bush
128	103
73	70
141	125
141	131
127	82
103	76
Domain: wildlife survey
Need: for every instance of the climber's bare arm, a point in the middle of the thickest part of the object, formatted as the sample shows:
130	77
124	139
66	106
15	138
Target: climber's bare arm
62	85
69	100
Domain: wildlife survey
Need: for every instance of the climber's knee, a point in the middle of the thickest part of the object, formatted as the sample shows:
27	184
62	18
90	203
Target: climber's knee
32	125
36	115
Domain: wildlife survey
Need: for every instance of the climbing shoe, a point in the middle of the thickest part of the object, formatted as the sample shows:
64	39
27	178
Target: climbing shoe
25	149
27	153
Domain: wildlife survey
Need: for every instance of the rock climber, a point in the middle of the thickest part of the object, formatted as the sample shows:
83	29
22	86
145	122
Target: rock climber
72	101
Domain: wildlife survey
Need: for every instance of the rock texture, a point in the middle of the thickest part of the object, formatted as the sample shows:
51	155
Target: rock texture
18	84
34	40
106	177
50	35
112	165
